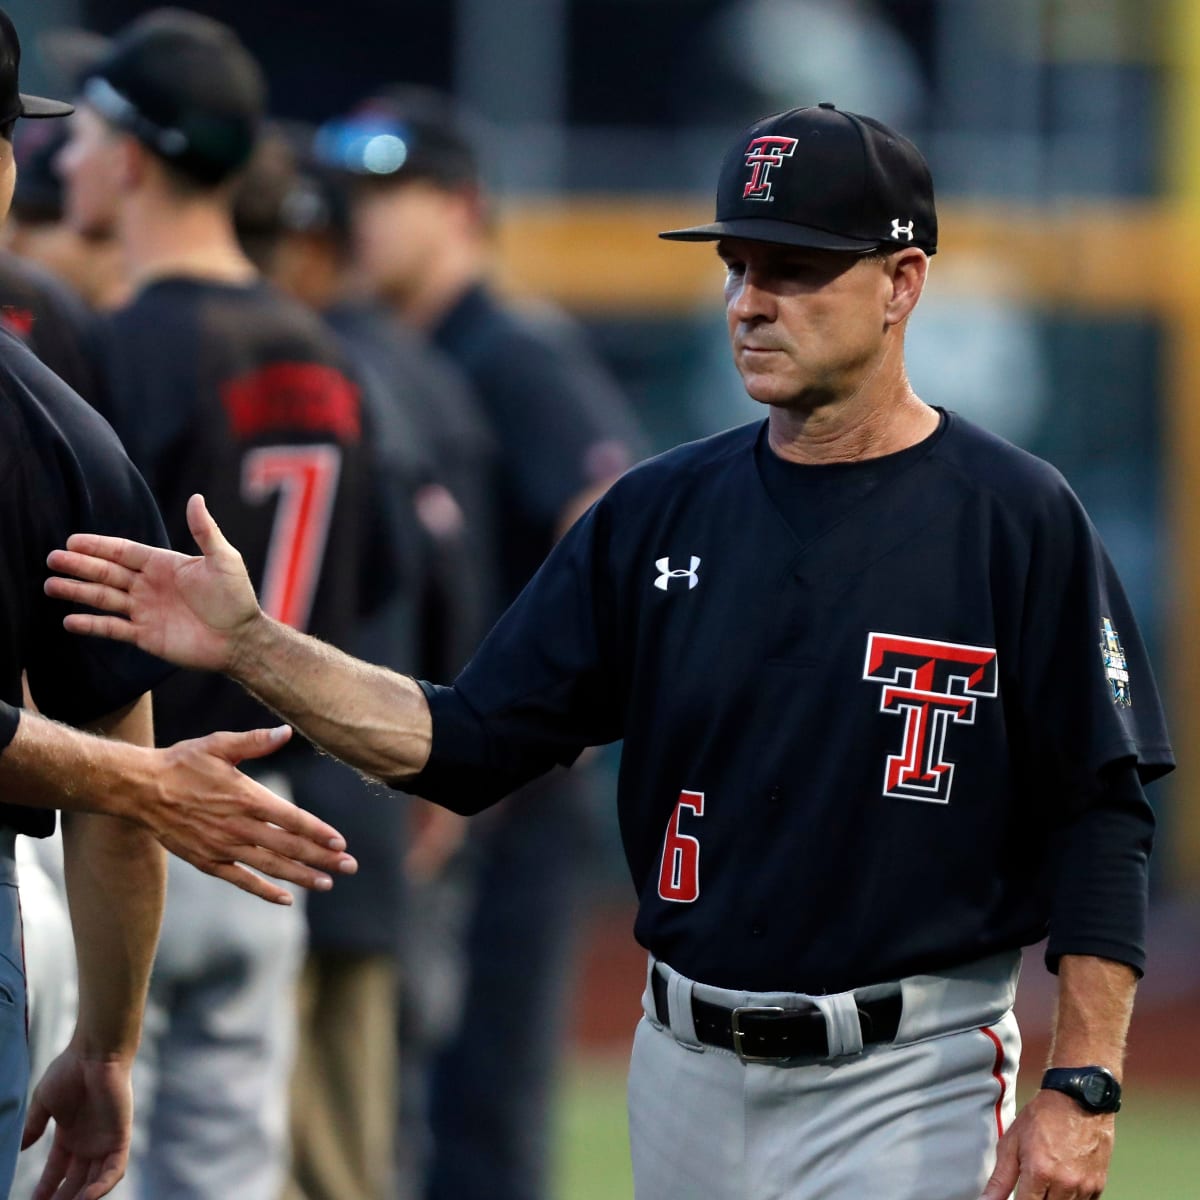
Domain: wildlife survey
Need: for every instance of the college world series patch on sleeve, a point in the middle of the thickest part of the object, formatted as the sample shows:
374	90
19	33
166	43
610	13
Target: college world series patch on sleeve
1115	667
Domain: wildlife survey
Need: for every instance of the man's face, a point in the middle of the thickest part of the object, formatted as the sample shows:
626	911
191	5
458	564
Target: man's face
400	231
805	325
8	172
90	165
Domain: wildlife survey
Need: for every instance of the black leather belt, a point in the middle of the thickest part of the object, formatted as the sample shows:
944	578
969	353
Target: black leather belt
775	1034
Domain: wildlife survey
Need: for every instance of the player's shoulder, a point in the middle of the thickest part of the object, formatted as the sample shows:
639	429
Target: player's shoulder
699	463
222	312
983	461
39	409
38	282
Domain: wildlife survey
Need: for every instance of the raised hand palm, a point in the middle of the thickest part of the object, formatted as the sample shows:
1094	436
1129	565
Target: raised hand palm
187	608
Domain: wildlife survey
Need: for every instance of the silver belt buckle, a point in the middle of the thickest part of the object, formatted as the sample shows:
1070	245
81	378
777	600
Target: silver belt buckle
739	1033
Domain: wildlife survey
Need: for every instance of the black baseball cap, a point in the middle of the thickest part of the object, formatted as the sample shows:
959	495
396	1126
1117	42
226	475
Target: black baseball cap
822	178
401	134
183	85
13	102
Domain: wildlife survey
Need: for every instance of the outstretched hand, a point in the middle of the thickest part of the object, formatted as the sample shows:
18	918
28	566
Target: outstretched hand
213	816
188	610
91	1101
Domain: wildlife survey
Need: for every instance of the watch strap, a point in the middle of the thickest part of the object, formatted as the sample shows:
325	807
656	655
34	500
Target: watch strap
1094	1088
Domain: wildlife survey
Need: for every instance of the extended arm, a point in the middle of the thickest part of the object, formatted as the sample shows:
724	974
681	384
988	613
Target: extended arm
189	796
1060	1151
202	613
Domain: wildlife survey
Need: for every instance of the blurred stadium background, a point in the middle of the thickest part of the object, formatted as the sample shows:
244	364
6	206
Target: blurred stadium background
1063	312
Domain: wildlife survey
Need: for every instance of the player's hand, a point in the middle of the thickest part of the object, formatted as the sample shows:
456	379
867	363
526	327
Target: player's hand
1057	1151
207	812
91	1101
189	610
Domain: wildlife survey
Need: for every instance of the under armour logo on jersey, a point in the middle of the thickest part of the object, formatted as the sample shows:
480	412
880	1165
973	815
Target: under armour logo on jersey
666	574
762	155
902	231
930	684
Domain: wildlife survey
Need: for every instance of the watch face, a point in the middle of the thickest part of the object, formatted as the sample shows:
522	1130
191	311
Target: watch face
1096	1090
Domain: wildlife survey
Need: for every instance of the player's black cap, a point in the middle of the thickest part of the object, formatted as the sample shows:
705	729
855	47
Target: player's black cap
823	178
284	191
401	134
13	102
186	87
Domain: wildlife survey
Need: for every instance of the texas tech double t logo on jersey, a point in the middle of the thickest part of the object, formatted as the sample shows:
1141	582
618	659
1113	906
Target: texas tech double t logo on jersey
930	684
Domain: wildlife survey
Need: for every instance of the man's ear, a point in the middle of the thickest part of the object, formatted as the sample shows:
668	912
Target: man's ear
908	270
136	162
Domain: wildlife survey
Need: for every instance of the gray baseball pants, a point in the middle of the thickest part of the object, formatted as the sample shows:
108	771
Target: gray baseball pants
14	1048
212	1075
915	1119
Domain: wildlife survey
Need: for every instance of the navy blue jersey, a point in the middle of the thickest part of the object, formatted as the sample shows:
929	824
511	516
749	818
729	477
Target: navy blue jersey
62	471
237	392
54	322
560	421
851	748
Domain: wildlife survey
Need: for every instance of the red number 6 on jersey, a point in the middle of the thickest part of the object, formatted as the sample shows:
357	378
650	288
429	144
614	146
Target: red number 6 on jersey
679	874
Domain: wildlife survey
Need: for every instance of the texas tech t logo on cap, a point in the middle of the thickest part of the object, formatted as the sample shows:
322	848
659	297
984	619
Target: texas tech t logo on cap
930	684
762	155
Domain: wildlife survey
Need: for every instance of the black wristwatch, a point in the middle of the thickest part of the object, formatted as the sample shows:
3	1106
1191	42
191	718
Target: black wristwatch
1093	1088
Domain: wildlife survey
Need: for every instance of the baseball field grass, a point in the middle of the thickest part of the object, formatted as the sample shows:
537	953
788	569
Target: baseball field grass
1157	1155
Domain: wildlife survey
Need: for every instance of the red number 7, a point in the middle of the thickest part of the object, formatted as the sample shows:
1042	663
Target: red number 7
306	478
679	874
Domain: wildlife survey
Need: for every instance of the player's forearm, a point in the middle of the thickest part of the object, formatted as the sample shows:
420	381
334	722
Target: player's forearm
116	882
367	716
47	765
1095	1003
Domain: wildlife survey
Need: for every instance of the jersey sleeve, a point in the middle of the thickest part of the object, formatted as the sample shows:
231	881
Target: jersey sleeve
84	482
545	683
1096	731
1089	698
1101	874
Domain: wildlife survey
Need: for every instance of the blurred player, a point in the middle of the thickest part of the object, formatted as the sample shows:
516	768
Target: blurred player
422	228
61	465
38	233
216	381
291	218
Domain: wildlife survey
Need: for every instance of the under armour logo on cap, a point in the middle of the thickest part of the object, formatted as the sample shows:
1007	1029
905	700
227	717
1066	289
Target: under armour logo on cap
826	179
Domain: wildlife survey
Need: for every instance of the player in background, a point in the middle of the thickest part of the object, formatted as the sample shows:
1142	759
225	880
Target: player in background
421	223
120	798
291	218
886	713
37	232
214	380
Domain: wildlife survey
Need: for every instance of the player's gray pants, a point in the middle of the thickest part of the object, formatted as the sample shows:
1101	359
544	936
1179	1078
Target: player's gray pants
52	981
14	1050
914	1120
211	1077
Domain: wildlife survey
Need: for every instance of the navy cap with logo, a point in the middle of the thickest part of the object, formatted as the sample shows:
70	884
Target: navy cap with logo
401	134
183	85
13	102
822	178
